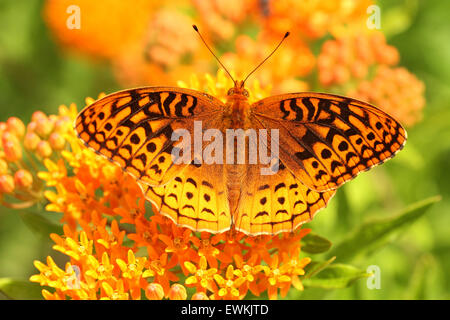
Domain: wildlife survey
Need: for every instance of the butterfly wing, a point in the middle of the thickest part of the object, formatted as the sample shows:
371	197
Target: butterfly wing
326	140
276	203
134	128
272	199
196	198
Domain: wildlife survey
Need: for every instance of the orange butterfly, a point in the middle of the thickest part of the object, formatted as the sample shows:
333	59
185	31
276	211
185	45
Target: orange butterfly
324	141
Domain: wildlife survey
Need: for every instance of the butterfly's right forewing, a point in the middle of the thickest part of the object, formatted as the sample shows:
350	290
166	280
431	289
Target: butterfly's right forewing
326	140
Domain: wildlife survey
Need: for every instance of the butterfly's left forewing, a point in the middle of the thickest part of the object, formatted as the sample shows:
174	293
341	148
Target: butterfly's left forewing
326	140
134	129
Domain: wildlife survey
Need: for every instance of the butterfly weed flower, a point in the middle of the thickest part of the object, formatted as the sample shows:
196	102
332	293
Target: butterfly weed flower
7	184
169	43
222	19
154	291
228	285
352	56
200	296
202	277
98	35
23	151
166	53
294	61
177	292
114	290
314	19
281	272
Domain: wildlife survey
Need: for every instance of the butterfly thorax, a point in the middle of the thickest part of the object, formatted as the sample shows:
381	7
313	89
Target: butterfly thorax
237	107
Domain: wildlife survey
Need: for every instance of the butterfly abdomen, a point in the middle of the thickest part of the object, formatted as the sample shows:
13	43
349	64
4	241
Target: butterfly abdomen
235	177
236	118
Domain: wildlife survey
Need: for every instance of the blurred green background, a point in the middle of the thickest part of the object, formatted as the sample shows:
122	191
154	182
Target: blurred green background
414	262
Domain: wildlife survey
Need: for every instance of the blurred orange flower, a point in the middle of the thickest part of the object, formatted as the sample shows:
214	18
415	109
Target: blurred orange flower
314	19
351	57
294	60
106	31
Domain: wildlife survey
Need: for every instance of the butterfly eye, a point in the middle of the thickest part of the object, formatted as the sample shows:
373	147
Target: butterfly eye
230	92
245	93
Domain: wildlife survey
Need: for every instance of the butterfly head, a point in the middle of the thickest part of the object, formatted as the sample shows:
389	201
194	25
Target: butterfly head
238	90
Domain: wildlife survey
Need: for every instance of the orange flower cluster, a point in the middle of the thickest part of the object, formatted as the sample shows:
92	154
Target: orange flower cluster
351	57
159	47
166	52
395	90
362	67
167	45
222	18
22	150
105	30
118	248
314	19
283	77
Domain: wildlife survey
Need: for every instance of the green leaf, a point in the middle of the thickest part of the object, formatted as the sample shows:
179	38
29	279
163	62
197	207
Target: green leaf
335	276
315	267
40	224
372	232
20	289
313	243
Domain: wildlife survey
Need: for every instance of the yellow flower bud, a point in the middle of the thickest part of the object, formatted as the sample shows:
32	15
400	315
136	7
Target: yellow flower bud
57	141
154	291
177	292
43	149
16	126
38	115
31	127
200	296
3	167
23	178
6	184
31	141
11	147
43	127
63	124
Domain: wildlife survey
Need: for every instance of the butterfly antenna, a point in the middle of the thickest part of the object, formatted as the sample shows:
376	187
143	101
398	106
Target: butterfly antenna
259	65
196	29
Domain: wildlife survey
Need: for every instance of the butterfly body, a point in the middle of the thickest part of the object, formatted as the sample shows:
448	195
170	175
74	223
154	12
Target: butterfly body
324	141
235	116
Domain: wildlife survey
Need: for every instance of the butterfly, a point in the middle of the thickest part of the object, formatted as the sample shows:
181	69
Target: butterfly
324	141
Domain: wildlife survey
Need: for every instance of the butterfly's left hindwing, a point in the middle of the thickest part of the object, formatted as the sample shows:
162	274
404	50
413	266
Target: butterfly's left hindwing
326	140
